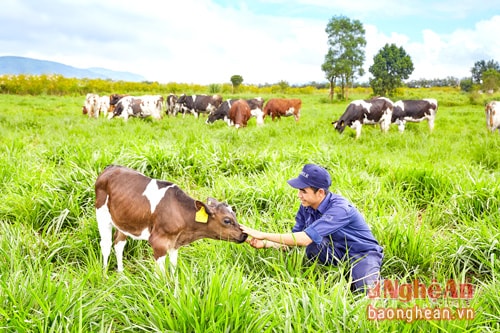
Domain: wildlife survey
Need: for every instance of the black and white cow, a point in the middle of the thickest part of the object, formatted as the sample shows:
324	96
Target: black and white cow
141	106
377	110
414	111
222	113
197	104
170	104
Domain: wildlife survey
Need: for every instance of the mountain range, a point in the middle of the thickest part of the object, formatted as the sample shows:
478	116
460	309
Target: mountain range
21	65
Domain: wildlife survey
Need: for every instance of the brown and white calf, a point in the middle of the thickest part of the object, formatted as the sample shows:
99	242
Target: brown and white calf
157	211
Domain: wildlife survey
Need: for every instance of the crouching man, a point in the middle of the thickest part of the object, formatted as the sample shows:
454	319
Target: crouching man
330	227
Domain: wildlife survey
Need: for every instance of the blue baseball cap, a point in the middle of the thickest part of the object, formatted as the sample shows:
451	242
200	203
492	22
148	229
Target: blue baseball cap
312	175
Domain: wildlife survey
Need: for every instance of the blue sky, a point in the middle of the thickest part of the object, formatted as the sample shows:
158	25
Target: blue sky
208	41
389	16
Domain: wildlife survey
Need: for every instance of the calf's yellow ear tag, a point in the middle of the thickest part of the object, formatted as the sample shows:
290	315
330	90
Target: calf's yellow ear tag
201	215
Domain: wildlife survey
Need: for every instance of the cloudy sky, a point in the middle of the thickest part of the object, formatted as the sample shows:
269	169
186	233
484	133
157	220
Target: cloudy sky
264	41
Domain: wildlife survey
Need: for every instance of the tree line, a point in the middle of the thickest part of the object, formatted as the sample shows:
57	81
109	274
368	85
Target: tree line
55	84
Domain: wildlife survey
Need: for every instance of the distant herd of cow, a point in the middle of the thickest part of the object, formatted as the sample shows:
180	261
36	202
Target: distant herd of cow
237	112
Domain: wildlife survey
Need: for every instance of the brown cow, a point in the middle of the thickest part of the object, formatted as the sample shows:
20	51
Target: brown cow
239	113
277	107
157	211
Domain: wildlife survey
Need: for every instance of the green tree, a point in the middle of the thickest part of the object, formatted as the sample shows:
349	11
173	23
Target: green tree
283	86
391	65
236	81
482	66
466	84
345	56
491	80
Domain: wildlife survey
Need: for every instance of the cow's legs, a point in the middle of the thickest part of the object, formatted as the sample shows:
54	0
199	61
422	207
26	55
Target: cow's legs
385	122
358	132
120	241
401	125
106	232
172	255
160	251
431	123
357	127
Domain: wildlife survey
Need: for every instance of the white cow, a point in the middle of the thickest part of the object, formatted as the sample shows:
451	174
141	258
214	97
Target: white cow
91	105
103	105
493	115
140	106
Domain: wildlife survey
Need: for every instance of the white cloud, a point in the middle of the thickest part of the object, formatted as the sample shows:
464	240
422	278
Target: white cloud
441	55
198	41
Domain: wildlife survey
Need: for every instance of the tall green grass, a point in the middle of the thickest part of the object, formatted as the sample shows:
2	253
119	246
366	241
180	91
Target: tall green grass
432	200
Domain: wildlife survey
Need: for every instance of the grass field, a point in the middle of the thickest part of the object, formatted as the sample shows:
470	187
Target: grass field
432	201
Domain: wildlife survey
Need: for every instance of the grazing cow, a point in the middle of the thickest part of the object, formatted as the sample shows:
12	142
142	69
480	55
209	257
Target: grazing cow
104	105
257	109
113	99
493	115
157	211
414	111
197	104
277	107
222	112
373	111
239	113
170	104
142	106
91	106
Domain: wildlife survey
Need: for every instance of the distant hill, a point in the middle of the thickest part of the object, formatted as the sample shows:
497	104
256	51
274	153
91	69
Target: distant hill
21	65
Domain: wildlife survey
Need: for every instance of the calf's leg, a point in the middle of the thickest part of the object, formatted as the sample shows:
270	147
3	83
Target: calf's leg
120	241
105	231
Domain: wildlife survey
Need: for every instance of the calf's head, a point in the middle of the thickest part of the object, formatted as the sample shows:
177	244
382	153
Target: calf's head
220	219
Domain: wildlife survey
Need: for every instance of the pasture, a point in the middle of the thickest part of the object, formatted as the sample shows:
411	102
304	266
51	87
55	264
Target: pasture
432	201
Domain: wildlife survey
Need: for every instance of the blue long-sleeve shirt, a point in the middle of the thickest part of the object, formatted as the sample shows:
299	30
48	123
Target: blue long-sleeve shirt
339	224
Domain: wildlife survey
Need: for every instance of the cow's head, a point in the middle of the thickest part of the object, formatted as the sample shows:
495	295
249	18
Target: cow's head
490	114
220	113
339	125
221	220
216	115
217	100
488	107
84	110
